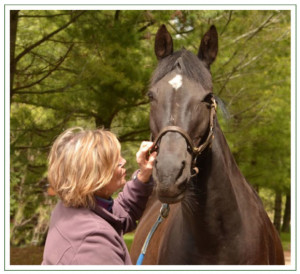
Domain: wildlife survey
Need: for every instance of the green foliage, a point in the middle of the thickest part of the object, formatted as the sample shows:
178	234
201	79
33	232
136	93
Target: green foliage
92	69
128	238
259	131
286	240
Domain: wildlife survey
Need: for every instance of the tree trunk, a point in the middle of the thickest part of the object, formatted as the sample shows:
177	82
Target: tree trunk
287	214
14	16
278	206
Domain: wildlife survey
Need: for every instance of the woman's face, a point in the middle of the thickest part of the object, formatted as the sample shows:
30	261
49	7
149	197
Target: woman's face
117	181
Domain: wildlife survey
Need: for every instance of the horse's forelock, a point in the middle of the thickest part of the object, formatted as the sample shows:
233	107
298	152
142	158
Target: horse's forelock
190	66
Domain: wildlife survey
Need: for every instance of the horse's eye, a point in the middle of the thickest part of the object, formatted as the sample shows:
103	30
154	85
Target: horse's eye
150	95
207	98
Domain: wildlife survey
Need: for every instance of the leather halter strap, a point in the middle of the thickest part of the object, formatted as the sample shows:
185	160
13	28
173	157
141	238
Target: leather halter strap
194	149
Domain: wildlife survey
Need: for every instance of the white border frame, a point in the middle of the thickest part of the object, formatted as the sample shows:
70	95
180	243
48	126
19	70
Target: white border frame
91	5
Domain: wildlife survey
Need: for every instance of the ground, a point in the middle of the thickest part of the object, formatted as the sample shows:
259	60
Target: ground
33	255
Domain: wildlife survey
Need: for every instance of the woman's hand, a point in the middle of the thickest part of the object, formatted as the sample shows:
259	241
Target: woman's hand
145	161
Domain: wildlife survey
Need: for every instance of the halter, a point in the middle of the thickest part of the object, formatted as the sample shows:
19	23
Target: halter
194	150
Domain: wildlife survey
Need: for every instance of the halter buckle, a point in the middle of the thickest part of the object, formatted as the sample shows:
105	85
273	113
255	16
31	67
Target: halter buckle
214	103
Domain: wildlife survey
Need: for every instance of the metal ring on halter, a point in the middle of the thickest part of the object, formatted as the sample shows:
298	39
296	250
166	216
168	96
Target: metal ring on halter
196	171
164	210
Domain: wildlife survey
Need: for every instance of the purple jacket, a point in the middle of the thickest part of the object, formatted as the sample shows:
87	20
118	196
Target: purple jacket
80	236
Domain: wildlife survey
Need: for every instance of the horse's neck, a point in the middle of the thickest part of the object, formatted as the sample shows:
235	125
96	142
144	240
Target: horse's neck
212	200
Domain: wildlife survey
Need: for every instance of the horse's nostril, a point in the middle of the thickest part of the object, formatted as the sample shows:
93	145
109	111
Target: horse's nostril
183	163
182	185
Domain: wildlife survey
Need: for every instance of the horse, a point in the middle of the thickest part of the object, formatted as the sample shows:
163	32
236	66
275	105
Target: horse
216	217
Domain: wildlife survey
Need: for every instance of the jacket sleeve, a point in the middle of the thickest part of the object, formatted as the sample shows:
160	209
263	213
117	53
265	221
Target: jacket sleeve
100	248
131	202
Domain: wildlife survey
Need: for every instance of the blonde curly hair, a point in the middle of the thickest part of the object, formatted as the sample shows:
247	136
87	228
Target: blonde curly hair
80	163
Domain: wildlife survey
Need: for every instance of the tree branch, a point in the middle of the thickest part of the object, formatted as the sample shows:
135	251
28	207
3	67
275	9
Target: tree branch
25	222
127	107
36	104
130	135
227	23
73	112
253	32
24	52
50	91
14	17
234	69
117	15
60	61
147	26
43	16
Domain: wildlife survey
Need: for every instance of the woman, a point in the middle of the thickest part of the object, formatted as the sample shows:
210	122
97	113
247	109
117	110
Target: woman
87	225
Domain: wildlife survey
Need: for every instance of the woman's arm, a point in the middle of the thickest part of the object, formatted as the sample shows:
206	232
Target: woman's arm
131	202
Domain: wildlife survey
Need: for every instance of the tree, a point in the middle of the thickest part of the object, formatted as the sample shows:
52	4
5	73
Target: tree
287	214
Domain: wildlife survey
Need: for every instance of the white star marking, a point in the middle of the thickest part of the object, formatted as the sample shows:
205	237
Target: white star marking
176	82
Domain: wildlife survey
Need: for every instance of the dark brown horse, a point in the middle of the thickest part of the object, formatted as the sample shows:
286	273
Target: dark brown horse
215	215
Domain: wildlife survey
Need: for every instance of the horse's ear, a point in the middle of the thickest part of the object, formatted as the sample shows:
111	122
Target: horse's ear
208	49
163	43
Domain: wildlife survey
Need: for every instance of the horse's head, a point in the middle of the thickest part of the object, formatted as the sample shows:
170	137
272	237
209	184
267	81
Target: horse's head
181	98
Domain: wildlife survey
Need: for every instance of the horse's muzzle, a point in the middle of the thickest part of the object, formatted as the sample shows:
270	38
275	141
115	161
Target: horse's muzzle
171	189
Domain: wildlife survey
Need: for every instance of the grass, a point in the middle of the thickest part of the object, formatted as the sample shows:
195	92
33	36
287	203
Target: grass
285	240
128	238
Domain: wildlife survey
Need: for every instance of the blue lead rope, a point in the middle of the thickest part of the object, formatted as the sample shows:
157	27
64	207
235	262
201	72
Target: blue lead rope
164	212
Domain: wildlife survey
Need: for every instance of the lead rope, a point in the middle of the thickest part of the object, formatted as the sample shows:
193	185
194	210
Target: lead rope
163	214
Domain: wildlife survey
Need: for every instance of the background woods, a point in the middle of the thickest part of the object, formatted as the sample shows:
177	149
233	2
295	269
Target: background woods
92	69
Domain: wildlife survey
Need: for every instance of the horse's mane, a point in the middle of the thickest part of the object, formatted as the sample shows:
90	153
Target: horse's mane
190	65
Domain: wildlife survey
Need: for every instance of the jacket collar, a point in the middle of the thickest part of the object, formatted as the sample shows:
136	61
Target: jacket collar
113	220
107	204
